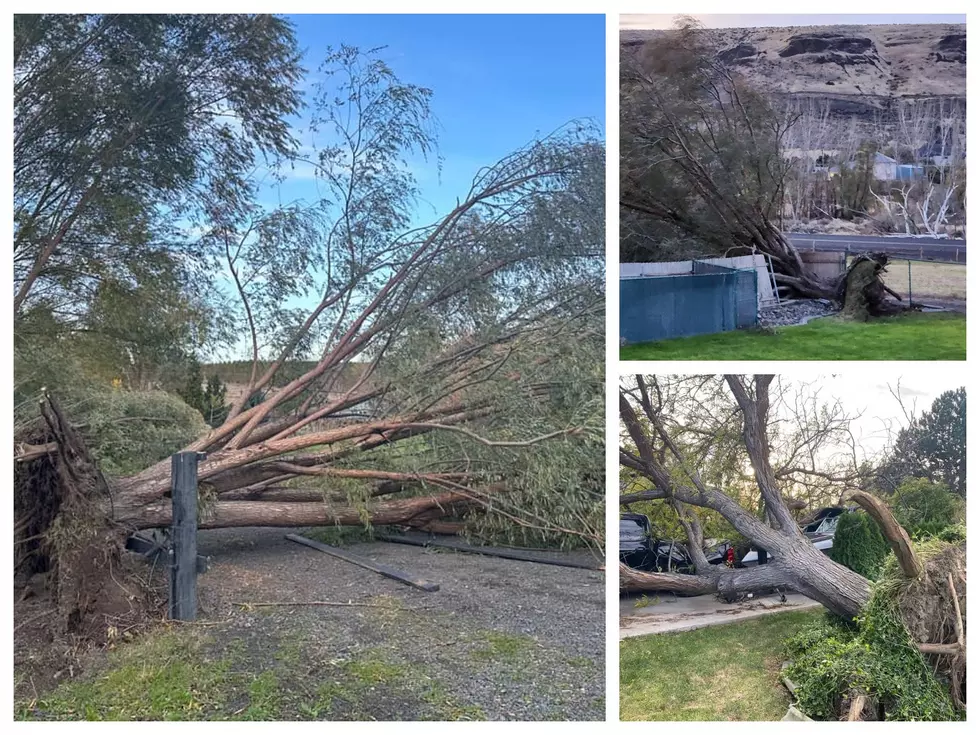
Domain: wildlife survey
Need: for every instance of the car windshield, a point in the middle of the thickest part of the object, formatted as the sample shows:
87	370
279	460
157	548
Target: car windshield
829	525
631	529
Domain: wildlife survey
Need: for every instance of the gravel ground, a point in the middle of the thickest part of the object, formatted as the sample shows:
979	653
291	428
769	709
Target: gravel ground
501	639
795	312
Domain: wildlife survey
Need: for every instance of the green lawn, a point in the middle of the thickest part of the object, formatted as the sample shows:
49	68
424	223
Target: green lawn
724	672
907	337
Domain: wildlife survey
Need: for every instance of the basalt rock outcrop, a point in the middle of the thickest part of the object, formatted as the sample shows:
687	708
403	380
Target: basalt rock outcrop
860	71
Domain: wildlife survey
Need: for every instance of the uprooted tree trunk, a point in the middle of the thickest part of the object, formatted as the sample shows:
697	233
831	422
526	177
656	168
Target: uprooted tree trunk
862	292
71	521
60	505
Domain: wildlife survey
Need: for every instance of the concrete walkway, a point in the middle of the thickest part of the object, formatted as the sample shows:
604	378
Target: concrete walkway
666	613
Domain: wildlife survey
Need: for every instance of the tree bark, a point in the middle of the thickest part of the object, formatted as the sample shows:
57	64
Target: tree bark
233	513
891	529
729	583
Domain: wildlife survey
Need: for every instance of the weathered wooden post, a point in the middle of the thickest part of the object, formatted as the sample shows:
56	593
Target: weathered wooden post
183	536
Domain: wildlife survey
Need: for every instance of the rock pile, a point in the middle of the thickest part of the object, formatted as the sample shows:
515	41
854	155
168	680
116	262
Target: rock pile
795	312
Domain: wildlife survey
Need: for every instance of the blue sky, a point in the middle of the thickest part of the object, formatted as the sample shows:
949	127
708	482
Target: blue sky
497	81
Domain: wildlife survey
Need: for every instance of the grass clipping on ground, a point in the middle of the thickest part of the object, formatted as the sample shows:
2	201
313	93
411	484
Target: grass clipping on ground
876	660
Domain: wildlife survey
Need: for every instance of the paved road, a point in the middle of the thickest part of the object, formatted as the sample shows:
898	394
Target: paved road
666	613
919	248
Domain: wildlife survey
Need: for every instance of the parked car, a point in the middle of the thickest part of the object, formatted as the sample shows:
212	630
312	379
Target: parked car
639	548
819	527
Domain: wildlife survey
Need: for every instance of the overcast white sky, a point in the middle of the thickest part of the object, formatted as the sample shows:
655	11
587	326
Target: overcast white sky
628	21
871	397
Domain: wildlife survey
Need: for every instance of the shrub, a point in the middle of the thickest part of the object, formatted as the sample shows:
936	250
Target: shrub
128	431
859	545
953	534
925	508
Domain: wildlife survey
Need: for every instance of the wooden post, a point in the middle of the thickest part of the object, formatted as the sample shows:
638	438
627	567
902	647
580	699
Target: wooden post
183	537
910	282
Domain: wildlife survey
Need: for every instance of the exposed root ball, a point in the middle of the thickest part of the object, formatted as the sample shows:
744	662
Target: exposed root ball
62	508
927	609
863	293
37	500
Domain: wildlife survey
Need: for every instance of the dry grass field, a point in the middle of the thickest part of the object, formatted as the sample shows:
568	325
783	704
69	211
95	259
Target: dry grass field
946	281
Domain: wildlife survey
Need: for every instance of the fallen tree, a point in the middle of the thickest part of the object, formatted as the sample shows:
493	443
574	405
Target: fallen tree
452	368
901	651
656	456
702	157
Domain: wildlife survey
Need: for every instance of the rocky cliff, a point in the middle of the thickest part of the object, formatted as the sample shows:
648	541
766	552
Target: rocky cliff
858	70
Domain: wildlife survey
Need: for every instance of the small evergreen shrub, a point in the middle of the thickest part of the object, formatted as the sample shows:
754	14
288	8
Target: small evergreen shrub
859	545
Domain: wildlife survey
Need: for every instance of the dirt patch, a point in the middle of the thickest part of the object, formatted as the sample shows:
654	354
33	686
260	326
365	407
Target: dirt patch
47	653
502	639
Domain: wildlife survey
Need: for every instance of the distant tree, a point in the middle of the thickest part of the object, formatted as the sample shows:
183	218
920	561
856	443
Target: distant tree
932	447
213	400
857	176
192	393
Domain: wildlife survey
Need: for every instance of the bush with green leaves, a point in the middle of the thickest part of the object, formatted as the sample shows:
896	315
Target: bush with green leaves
925	508
873	655
953	534
125	430
831	660
128	431
859	545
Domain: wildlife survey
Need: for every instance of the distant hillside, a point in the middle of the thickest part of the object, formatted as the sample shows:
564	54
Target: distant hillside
859	70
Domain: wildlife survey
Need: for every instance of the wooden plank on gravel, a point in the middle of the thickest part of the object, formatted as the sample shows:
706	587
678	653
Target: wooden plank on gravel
383	570
516	554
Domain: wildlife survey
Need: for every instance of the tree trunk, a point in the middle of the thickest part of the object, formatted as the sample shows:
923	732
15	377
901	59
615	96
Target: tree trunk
233	513
730	584
796	566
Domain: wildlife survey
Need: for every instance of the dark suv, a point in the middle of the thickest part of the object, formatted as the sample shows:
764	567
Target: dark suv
639	549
